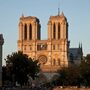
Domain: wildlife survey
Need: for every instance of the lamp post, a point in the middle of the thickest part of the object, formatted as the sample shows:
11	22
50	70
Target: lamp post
1	43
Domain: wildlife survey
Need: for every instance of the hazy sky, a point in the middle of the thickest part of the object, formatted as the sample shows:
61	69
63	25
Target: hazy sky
76	11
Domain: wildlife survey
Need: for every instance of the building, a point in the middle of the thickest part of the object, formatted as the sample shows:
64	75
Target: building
1	43
52	52
76	55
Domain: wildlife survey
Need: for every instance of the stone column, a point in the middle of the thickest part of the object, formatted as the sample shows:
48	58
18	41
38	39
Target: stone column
36	34
20	31
64	30
34	31
1	43
61	31
23	31
65	34
34	39
49	30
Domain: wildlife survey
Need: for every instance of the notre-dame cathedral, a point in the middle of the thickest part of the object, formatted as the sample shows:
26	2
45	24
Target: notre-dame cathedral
52	53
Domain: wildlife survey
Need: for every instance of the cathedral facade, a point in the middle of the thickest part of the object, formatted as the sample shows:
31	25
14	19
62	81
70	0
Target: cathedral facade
51	53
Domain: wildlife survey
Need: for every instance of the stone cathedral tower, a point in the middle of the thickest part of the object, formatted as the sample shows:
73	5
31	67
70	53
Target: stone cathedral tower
51	53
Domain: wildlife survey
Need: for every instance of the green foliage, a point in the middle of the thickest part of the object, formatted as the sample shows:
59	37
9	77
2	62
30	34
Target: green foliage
75	75
69	76
85	70
19	67
4	76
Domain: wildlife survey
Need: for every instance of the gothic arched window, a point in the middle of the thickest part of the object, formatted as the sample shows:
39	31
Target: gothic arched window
53	47
67	31
54	61
38	32
25	32
58	30
54	31
58	61
30	32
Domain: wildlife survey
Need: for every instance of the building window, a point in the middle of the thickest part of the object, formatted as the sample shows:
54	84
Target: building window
54	61
38	47
54	31
25	47
30	47
30	32
53	47
67	31
58	30
58	61
42	47
58	47
25	32
38	34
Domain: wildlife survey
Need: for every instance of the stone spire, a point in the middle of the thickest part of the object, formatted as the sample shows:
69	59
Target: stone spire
22	15
62	14
58	11
79	45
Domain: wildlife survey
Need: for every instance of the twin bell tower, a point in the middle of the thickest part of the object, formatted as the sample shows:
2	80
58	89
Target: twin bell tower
51	53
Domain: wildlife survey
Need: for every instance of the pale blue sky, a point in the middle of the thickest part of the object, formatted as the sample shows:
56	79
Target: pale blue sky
76	11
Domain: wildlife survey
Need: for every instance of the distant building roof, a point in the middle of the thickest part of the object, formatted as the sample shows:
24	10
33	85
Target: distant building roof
75	55
74	52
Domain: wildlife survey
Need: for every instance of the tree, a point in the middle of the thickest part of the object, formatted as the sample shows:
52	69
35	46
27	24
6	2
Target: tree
69	76
4	75
85	71
19	67
75	75
61	81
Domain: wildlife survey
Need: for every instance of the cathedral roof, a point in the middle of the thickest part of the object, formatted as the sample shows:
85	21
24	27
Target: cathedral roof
75	52
29	18
59	16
